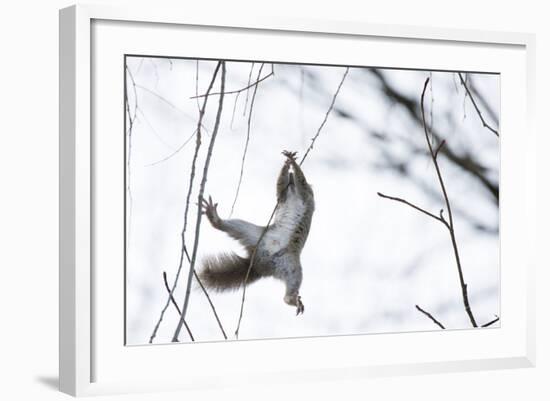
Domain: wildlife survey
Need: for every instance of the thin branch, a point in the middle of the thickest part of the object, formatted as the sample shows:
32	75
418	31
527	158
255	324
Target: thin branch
176	305
248	90
441	144
189	191
203	288
326	116
197	85
246	144
176	151
465	160
234	109
496	319
264	231
154	131
128	177
450	223
463	285
168	102
199	198
433	319
170	293
494	131
252	257
433	216
254	84
483	101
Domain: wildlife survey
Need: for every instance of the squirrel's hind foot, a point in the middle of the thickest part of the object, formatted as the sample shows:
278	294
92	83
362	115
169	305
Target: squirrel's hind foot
295	300
300	307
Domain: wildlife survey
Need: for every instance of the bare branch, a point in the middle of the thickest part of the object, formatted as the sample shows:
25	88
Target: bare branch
496	319
494	131
252	257
433	319
197	85
255	84
128	176
168	102
433	216
154	131
200	197
189	191
203	288
234	109
481	99
248	90
463	285
449	224
176	305
176	151
465	160
441	144
326	117
246	143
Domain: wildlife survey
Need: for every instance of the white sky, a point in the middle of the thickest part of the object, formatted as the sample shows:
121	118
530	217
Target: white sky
367	261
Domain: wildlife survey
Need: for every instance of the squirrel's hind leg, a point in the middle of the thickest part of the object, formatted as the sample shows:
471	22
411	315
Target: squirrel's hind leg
292	276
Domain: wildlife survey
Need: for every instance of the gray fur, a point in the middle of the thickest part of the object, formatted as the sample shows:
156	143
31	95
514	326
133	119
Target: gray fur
226	271
278	253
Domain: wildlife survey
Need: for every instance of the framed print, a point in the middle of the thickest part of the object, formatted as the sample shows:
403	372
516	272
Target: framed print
295	200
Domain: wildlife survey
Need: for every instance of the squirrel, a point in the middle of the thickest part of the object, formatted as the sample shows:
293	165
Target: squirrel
278	252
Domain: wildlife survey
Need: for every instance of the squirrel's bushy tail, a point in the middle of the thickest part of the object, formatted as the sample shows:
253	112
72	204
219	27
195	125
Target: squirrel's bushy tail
226	271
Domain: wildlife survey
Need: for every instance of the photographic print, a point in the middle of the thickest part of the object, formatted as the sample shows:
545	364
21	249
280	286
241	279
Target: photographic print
268	200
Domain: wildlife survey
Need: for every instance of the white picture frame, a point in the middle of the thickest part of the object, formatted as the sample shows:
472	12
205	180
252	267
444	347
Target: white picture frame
95	361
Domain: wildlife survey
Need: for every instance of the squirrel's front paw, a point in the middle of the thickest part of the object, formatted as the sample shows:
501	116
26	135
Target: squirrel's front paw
211	210
291	156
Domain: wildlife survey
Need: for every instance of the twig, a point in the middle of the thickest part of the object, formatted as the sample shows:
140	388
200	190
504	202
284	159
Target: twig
430	316
246	144
234	109
203	288
481	99
264	231
326	116
128	177
154	131
463	160
176	151
433	216
450	223
250	85
189	191
494	131
167	102
248	90
157	78
496	319
252	257
176	305
197	85
200	197
450	214
442	143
